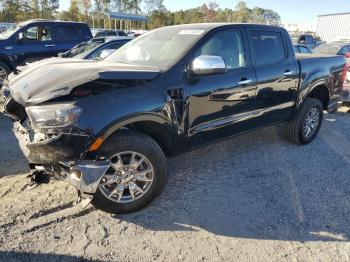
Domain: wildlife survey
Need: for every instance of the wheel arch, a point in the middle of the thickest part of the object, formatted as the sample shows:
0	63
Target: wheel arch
318	90
157	127
8	61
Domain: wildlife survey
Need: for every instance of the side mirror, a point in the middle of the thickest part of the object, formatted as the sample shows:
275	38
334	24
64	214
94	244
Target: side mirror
20	36
207	65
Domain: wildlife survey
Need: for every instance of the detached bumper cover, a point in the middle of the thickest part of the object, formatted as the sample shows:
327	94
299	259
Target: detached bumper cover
89	176
60	148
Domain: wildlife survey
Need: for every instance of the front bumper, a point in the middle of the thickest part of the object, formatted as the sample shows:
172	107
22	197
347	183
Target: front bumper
61	157
59	148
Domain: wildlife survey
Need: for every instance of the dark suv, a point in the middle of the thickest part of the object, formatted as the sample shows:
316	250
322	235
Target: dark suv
38	39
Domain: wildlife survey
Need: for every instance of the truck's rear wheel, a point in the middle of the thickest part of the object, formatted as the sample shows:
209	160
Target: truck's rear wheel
306	123
137	173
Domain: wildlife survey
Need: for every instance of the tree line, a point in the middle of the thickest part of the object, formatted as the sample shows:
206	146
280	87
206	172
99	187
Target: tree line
79	10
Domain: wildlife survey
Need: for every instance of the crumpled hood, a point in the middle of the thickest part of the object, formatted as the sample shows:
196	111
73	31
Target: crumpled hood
57	77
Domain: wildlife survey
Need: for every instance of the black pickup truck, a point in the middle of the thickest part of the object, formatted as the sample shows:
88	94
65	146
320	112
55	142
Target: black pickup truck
107	126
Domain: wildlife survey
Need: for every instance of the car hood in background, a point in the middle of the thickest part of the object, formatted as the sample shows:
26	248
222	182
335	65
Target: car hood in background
57	77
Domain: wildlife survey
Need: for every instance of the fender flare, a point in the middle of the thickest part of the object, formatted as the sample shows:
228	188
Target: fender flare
174	142
134	118
309	88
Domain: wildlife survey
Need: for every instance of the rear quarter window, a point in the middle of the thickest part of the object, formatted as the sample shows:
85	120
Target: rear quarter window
267	47
70	32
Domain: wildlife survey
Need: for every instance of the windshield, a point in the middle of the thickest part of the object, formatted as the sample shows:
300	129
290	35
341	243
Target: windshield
329	49
160	48
8	32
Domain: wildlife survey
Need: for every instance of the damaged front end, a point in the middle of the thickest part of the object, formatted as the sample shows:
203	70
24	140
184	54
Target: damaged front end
53	106
61	153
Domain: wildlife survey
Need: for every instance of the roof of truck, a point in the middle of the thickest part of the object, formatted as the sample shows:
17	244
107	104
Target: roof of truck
48	21
210	26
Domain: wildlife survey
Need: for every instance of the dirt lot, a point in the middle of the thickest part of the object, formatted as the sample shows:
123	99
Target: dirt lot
252	198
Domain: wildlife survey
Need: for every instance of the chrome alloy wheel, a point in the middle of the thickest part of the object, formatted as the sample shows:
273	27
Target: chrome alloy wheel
129	177
311	122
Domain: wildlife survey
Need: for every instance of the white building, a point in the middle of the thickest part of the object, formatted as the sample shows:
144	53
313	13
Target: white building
333	27
299	27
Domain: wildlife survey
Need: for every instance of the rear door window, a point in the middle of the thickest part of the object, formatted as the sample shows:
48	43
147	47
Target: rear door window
112	33
67	33
267	47
122	33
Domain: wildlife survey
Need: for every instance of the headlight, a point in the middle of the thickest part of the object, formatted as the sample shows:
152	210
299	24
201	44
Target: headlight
53	116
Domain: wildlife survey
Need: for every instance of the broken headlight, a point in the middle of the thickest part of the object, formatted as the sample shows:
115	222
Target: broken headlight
53	116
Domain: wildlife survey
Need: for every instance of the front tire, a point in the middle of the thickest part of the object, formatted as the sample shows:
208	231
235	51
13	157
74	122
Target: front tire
306	122
4	71
137	174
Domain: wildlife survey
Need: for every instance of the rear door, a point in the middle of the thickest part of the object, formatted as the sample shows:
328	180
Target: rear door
69	35
277	74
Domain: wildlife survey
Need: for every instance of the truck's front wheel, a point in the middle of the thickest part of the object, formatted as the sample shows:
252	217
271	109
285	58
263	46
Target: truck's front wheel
4	71
136	175
306	123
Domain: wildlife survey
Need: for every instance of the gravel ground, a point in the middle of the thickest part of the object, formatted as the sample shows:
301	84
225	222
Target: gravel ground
251	198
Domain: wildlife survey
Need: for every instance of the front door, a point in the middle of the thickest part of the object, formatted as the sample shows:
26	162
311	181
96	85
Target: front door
35	43
221	105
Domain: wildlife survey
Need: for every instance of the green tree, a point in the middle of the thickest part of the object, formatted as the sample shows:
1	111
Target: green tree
73	12
154	5
85	6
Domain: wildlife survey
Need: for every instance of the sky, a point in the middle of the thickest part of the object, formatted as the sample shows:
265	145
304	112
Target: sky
291	11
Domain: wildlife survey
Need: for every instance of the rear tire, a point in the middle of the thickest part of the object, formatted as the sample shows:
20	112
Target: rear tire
306	122
136	146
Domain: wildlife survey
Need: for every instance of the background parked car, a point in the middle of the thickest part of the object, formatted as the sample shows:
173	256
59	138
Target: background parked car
90	45
339	48
96	50
309	40
301	49
38	39
111	33
334	48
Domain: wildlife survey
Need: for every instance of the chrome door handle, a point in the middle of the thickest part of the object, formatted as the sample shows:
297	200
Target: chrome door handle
288	73
245	82
50	45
